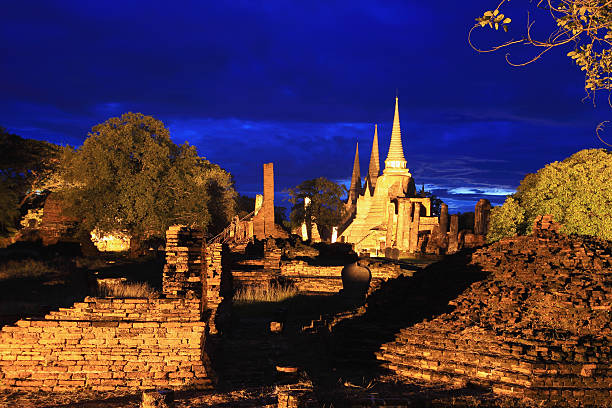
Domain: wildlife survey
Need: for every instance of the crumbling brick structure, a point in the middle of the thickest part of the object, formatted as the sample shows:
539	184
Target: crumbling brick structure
55	225
263	221
119	344
107	344
538	327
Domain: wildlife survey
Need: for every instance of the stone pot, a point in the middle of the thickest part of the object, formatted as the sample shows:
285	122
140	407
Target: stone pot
356	279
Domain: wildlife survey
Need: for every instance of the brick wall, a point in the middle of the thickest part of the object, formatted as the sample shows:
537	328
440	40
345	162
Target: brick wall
112	343
107	344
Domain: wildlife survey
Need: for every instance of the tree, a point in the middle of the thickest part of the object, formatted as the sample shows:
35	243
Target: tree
584	24
506	220
326	207
576	191
27	168
128	175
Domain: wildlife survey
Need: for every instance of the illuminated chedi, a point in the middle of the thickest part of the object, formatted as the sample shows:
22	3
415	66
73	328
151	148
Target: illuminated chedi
387	214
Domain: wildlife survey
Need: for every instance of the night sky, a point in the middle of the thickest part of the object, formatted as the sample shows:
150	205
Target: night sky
298	84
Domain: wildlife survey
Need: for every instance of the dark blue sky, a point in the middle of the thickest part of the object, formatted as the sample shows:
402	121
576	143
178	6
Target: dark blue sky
298	83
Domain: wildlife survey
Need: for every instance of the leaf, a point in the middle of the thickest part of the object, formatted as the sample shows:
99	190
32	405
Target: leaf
496	12
507	20
505	28
496	26
488	13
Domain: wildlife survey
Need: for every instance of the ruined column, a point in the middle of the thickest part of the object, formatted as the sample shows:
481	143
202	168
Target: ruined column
268	200
406	227
414	228
482	213
399	230
444	219
390	225
453	236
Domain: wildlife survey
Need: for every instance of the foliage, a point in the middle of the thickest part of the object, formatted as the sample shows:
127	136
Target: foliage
326	207
26	169
506	220
585	24
127	290
128	175
576	191
265	293
9	206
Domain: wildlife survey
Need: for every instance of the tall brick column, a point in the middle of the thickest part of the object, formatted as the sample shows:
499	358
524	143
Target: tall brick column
414	229
482	213
444	219
390	225
182	275
453	236
268	200
263	221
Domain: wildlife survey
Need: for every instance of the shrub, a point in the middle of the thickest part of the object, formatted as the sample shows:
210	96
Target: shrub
265	293
126	290
577	192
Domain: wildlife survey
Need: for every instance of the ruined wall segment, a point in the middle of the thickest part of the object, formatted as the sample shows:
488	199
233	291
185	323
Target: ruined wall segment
182	276
538	327
121	344
107	344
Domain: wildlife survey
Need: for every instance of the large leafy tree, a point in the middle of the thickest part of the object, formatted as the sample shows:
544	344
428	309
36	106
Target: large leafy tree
576	191
129	175
326	206
27	169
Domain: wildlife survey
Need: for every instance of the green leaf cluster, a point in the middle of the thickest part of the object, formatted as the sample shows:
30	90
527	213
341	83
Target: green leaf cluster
129	175
576	191
494	19
586	25
507	220
326	207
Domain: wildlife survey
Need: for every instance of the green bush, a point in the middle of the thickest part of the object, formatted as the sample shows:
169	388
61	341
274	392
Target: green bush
577	192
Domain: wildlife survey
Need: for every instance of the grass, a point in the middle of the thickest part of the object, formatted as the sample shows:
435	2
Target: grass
264	293
25	268
127	290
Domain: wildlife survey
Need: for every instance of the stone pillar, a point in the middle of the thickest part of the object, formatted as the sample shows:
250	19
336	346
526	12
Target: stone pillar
334	236
258	203
453	238
182	275
433	243
414	229
444	219
406	227
263	221
482	214
390	225
272	256
401	214
212	282
268	199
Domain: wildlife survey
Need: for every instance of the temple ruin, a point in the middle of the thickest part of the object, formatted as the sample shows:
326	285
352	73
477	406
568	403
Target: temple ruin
387	213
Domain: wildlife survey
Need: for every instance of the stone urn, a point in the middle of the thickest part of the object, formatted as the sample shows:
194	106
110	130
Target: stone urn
356	279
